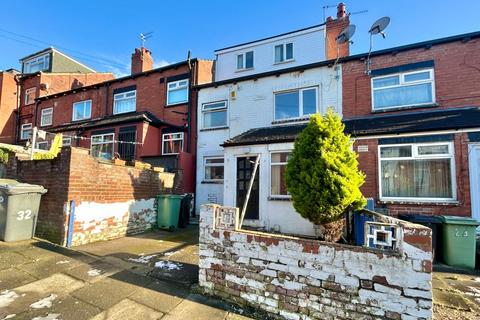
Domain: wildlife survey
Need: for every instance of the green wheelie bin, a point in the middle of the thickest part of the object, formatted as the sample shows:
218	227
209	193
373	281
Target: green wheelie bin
168	211
458	241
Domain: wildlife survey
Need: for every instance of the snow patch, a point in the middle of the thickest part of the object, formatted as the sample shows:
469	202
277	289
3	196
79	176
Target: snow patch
50	316
10	316
7	297
171	253
63	262
94	272
168	265
143	259
44	303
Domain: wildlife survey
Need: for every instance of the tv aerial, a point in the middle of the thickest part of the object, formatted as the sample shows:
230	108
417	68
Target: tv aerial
344	37
377	28
144	37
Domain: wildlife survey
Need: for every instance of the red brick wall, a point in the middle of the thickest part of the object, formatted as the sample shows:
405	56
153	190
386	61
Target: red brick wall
456	76
8	105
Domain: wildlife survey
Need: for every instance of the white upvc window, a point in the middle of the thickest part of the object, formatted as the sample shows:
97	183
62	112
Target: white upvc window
82	110
30	95
214	114
37	64
177	92
102	146
42	145
294	104
214	168
283	52
404	89
172	143
245	60
26	131
278	163
47	117
66	141
125	102
417	172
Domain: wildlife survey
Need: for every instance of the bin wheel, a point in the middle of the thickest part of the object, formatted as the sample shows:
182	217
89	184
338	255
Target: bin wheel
171	228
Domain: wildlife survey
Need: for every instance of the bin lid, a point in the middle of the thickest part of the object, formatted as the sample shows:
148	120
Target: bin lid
11	187
459	220
171	196
418	218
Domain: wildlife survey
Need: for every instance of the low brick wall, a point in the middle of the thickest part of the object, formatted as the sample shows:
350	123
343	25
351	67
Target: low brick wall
296	278
110	201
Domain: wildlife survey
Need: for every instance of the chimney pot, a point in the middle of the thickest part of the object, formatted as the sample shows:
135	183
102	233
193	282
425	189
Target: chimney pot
341	10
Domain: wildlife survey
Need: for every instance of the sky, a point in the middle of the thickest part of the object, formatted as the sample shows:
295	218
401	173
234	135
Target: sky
103	34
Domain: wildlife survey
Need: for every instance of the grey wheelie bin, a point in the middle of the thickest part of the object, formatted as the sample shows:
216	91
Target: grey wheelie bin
19	203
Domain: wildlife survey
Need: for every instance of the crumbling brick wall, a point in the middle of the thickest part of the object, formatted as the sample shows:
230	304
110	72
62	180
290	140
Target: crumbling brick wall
296	278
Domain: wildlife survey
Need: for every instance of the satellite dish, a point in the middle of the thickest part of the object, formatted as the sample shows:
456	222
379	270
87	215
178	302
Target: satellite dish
346	34
379	26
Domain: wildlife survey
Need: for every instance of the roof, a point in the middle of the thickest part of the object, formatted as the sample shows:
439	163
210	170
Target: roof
271	37
52	49
423	44
37	53
132	76
422	121
131	117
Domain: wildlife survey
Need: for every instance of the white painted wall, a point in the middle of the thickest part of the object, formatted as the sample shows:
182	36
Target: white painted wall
308	47
254	108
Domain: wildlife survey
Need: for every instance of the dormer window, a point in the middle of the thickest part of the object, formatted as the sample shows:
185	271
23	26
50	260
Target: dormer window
245	60
284	52
40	63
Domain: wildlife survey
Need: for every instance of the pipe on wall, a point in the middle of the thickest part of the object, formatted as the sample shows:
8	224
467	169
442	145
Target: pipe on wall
71	221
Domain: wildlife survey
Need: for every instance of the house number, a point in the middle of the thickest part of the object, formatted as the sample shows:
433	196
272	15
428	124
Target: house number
459	233
24	215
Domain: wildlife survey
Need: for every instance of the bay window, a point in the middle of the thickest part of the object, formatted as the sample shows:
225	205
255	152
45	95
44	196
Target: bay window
418	172
172	143
296	104
177	92
403	90
124	102
278	163
214	114
214	168
103	146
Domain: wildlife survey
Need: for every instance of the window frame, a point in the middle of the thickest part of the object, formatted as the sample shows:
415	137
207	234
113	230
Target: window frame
177	139
244	61
219	109
115	99
83	102
66	144
42	124
213	165
284	50
402	83
103	142
46	63
271	164
186	86
300	106
22	130
26	93
415	156
42	142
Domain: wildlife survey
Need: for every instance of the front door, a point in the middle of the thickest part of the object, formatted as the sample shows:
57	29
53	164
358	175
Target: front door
245	167
126	147
474	160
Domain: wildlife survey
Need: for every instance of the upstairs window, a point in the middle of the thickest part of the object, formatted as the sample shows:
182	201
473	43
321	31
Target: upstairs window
47	117
418	172
125	102
102	146
82	110
245	60
214	114
37	64
296	104
30	95
284	52
177	92
172	143
26	131
403	90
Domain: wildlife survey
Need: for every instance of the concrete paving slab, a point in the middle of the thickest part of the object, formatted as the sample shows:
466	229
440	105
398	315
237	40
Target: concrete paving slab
197	307
129	309
43	268
12	277
93	271
450	300
170	270
59	284
160	296
10	259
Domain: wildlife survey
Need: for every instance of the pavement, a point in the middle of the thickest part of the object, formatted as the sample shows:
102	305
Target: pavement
151	276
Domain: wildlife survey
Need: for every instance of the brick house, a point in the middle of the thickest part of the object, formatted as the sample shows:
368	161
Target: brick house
148	115
8	105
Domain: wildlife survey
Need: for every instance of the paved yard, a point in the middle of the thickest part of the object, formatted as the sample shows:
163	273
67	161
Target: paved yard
148	276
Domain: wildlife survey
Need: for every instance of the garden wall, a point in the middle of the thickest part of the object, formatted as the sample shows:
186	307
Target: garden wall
296	278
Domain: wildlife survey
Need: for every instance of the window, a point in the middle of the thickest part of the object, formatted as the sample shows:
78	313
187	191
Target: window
47	117
26	131
245	61
284	52
403	90
277	178
295	104
82	110
124	102
30	95
172	143
37	64
43	145
419	172
102	146
177	92
214	114
214	169
66	141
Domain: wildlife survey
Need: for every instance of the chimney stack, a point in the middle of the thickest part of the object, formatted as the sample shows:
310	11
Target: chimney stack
333	27
141	60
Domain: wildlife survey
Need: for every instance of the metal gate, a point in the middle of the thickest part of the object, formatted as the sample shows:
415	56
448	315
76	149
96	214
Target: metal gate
127	150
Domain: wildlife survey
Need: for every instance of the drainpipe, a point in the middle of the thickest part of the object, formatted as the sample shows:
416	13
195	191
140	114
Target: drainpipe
189	112
71	220
17	113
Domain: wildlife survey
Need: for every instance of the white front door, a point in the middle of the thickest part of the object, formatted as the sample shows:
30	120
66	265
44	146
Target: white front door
474	160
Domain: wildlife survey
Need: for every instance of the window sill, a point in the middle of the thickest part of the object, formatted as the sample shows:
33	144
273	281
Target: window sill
283	62
430	105
125	112
176	104
213	129
78	120
211	182
276	198
246	69
419	202
304	119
